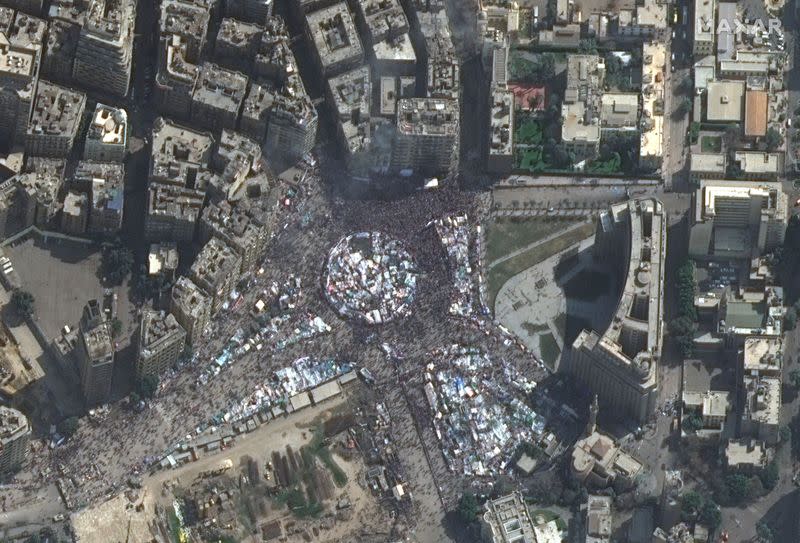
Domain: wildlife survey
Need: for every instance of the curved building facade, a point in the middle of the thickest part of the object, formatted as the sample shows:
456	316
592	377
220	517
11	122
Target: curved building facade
620	365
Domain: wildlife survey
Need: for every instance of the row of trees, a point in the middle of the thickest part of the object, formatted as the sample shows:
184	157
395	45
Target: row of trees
682	327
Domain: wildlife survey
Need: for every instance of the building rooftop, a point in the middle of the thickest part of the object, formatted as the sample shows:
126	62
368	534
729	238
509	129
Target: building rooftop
763	403
57	110
13	425
109	125
178	153
745	452
156	328
428	116
634	338
620	109
599	519
508	520
395	49
334	34
174	201
705	17
708	162
111	21
756	162
162	257
394	89
98	342
382	18
725	101
352	92
28	32
756	107
15	60
502	122
184	18
220	88
580	109
763	355
190	298
215	263
599	452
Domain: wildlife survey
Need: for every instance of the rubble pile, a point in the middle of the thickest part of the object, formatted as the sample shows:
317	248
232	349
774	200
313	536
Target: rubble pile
454	233
371	278
478	417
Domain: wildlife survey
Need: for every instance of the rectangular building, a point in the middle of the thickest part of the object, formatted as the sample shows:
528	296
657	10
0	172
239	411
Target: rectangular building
161	341
55	121
216	271
191	307
427	136
334	39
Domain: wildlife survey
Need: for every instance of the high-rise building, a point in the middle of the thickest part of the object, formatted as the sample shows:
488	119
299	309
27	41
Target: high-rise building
176	77
191	307
218	97
104	55
15	436
620	365
427	136
335	41
161	340
172	212
55	121
95	355
216	271
107	137
18	80
105	184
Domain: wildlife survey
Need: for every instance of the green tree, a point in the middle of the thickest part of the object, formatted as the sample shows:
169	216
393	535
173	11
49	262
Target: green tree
684	106
691	504
794	377
738	487
23	302
770	476
135	398
692	422
468	507
790	319
117	263
68	426
786	434
116	327
710	515
764	532
773	139
147	386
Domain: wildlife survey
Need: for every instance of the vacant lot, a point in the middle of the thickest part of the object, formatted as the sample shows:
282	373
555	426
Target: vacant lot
508	234
502	272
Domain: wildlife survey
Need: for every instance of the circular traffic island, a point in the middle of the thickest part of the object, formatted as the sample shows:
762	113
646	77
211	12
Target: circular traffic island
370	277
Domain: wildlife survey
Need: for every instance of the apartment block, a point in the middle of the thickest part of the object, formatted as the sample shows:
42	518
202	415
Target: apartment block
188	21
218	96
172	212
18	81
216	271
161	341
191	307
176	77
15	437
427	136
246	235
95	354
705	12
178	154
104	182
107	137
75	213
60	51
104	55
334	39
55	121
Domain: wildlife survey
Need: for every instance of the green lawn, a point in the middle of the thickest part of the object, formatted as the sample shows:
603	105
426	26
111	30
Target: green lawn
711	144
549	349
529	133
499	274
506	235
